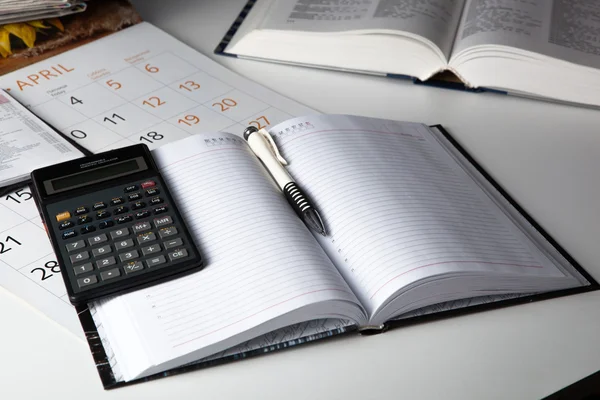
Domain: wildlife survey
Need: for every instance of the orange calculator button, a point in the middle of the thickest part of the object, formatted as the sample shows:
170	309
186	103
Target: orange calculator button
62	216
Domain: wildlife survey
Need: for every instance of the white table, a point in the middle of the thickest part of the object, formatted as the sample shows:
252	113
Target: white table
546	155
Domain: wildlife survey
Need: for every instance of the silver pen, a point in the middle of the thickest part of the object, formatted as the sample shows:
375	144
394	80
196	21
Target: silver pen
263	146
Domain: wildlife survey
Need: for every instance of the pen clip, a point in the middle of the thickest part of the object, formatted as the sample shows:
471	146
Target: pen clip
273	146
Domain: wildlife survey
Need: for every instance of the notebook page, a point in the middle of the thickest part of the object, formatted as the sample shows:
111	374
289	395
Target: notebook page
397	208
261	261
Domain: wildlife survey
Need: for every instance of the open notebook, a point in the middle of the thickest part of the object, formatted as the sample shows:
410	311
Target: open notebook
413	228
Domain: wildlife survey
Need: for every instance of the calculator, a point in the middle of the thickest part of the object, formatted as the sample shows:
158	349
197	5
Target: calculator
113	223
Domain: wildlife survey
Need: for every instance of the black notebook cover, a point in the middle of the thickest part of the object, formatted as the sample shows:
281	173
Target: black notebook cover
107	377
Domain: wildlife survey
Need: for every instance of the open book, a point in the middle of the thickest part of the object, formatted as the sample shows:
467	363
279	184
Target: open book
411	223
538	48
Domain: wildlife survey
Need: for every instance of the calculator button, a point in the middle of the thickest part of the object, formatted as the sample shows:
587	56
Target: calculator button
142	214
133	266
141	227
160	210
100	251
102	214
62	216
86	219
88	229
119	233
97	239
153	262
134	197
148	184
155	248
117	201
130	189
110	274
156	200
106	262
123	244
65	225
69	234
99	206
84	255
177	254
138	205
173	243
82	269
152	192
80	244
120	210
125	218
158	222
88	280
130	255
105	224
81	210
146	237
166	232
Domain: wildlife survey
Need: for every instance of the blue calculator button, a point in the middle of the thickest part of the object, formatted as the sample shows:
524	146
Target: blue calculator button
69	234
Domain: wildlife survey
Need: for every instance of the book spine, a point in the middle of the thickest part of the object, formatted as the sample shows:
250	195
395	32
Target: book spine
103	355
220	49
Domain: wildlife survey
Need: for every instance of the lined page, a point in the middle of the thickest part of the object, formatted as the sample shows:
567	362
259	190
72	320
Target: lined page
397	208
261	261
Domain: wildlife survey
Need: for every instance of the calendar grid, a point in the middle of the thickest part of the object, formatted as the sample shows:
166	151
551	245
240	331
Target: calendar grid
161	85
25	267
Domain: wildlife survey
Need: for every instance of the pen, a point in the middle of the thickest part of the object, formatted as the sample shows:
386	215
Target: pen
263	146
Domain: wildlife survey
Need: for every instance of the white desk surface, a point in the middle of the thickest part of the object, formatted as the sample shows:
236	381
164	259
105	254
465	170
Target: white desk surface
547	156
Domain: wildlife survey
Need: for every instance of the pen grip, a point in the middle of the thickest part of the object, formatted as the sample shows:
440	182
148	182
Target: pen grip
296	197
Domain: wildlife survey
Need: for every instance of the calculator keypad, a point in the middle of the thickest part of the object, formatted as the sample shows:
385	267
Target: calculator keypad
144	235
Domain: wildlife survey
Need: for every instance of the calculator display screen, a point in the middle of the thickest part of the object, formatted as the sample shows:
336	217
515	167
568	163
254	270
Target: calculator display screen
96	175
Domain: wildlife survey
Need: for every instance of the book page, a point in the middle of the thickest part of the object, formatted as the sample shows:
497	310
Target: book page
26	143
398	209
436	20
565	29
261	263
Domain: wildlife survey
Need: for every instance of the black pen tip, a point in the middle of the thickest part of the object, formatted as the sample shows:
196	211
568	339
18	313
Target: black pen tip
314	221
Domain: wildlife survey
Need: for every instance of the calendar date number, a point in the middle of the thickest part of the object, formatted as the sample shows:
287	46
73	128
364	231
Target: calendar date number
19	196
51	266
7	244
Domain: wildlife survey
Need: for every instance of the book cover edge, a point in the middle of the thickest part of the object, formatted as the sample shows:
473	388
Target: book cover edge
220	49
